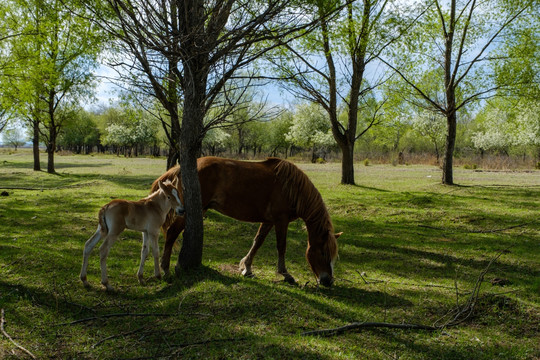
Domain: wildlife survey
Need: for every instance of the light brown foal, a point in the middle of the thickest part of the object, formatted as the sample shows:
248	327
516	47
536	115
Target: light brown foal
146	215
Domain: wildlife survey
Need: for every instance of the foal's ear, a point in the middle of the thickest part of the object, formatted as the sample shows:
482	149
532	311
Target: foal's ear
160	183
175	182
338	234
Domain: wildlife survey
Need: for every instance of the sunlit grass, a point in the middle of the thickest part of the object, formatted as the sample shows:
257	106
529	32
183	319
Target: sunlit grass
407	241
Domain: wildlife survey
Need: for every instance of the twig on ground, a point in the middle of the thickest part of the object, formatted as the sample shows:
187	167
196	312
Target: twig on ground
179	347
2	322
116	336
49	188
367	324
106	316
476	231
457	315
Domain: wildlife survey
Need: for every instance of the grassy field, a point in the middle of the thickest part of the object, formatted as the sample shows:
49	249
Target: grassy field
412	250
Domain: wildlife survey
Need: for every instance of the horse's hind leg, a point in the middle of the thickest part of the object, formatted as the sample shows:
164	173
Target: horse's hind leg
88	247
245	263
172	234
281	239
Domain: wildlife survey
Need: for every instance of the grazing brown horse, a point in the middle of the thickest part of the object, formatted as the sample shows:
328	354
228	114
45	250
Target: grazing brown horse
273	192
146	215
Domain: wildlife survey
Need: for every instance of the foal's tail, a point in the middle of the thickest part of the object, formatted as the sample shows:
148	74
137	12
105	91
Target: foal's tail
102	222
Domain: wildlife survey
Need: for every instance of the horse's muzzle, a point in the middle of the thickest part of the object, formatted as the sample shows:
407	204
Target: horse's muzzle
326	280
180	212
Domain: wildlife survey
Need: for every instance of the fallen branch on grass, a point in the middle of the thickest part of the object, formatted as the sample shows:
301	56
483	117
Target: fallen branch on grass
2	322
117	336
454	317
106	316
366	324
475	231
48	188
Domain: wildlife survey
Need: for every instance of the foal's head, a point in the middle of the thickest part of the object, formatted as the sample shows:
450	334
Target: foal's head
321	255
171	191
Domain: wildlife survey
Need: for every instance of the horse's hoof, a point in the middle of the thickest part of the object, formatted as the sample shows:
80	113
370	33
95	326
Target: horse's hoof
141	280
109	289
86	285
289	279
247	273
158	276
167	278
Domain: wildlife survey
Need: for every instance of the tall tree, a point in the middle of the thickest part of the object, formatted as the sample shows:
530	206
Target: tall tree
205	43
456	42
54	63
329	66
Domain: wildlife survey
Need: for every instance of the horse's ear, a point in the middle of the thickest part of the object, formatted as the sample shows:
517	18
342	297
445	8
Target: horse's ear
338	234
175	182
160	184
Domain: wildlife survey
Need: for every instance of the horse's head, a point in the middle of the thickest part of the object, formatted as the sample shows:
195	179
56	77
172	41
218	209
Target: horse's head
170	189
321	255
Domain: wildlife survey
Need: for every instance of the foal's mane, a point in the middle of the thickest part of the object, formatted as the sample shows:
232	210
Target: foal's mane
304	197
169	175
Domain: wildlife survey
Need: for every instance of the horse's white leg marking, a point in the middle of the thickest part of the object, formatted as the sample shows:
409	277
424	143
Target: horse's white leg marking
245	263
144	255
88	247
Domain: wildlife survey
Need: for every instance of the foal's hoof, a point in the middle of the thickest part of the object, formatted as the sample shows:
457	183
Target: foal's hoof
86	285
141	280
109	288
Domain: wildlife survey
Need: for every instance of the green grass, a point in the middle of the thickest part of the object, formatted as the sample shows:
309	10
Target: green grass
417	238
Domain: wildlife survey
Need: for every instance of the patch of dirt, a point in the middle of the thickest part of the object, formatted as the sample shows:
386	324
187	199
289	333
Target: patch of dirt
229	268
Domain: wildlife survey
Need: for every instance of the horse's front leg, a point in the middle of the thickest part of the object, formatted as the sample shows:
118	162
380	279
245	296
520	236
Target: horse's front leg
245	263
172	234
281	239
144	255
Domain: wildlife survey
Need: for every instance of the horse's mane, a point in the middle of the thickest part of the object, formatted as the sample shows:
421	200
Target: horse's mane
304	197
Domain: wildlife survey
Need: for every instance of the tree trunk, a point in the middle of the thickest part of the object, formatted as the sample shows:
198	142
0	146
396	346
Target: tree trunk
447	175
51	147
35	145
190	256
347	164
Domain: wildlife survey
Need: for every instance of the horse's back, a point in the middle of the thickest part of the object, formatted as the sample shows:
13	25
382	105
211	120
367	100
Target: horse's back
244	190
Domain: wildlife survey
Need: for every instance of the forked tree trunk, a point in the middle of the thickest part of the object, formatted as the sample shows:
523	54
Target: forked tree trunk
190	256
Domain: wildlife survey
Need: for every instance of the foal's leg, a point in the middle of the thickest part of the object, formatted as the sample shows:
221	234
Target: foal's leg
144	255
154	236
103	253
172	234
245	263
281	239
88	247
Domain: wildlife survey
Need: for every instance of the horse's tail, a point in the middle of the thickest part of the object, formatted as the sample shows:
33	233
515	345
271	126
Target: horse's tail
168	175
